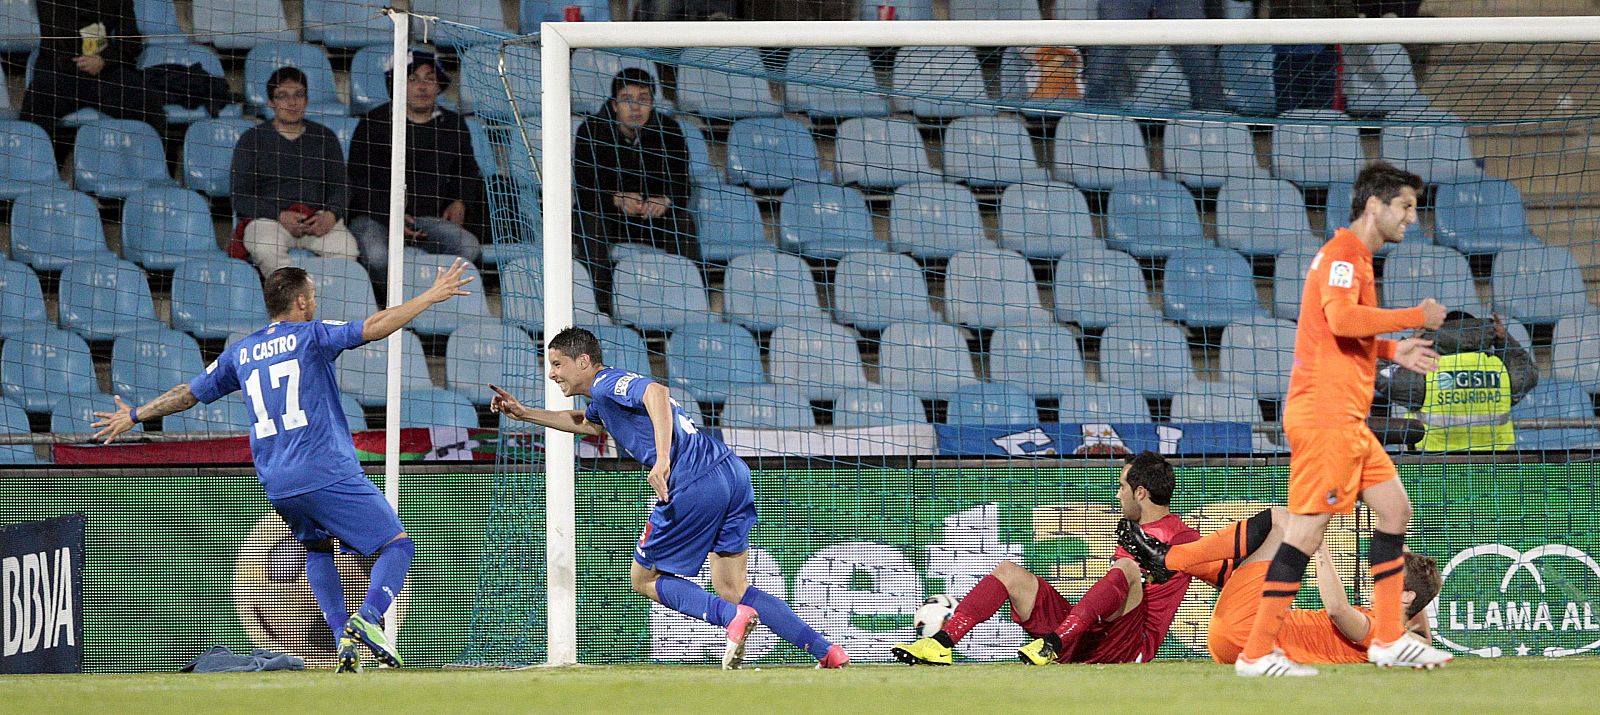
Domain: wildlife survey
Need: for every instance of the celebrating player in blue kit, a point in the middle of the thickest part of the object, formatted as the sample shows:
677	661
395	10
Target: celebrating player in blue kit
301	444
704	502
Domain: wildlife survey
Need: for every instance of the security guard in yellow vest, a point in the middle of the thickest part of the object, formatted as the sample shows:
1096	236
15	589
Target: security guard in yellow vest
1465	405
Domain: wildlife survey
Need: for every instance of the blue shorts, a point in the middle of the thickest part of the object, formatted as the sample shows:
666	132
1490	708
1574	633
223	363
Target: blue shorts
351	510
714	513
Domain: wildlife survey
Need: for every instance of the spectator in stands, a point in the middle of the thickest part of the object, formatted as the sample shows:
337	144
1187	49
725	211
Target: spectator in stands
1110	78
1305	76
87	51
289	183
1465	405
443	187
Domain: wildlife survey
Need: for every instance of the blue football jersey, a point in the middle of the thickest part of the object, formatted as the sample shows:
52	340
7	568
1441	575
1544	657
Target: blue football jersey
299	438
616	400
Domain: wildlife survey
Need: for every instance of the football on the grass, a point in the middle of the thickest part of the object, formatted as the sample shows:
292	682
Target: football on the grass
932	613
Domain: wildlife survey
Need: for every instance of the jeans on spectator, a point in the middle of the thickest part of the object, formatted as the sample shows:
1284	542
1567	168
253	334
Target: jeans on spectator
1110	80
442	237
269	242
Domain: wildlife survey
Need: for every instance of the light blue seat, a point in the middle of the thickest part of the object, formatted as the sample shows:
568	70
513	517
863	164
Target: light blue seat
116	157
1248	78
1152	218
822	82
1097	152
1289	280
1258	355
483	14
228	414
767	407
1575	350
13	420
1538	284
872	289
1205	154
658	291
1555	399
485	352
483	149
149	362
184	54
157	20
724	83
441	319
167	226
1378	79
772	154
1315	154
346	24
21	300
1098	403
767	289
368	87
991	403
992	288
344	288
19	26
241	24
592	72
935	220
215	297
1097	287
208	154
483	90
1413	272
39	365
939	83
928	359
1149	356
75	412
880	153
29	161
825	221
105	300
434	407
1215	402
1262	217
903	9
990	152
52	228
522	294
878	407
1209	288
354	414
1483	216
823	359
623	348
728	221
264	59
1438	151
363	372
1043	359
710	361
343	128
701	171
1046	220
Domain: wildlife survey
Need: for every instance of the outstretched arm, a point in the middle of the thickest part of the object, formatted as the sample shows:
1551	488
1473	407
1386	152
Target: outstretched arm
114	423
1352	623
448	283
565	420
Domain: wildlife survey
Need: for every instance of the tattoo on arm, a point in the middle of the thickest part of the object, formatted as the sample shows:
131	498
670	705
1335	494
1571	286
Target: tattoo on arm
172	401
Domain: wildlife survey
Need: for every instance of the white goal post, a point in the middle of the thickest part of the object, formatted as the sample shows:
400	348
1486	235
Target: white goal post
559	39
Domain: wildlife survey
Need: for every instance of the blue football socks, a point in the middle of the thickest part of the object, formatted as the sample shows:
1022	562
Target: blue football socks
388	577
323	576
776	614
686	597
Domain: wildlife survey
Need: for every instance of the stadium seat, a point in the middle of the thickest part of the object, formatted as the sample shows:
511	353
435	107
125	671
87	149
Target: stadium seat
878	407
1215	402
816	78
1258	355
73	413
992	288
482	14
992	404
1209	288
771	154
1097	287
149	362
1046	220
39	365
434	407
363	372
215	297
878	153
241	24
167	226
622	348
116	157
482	89
344	288
710	361
1043	359
1484	216
1097	152
343	128
592	72
658	292
14	420
158	21
265	59
1538	284
29	161
229	414
1378	79
767	407
1438	151
873	289
19	26
1101	403
353	413
184	54
522	294
368	87
935	220
441	319
928	359
936	83
52	228
823	359
346	24
1413	272
728	222
825	221
1149	356
1160	85
903	9
105	300
1555	399
1152	218
1575	350
21	300
1262	217
1310	153
707	88
1248	77
701	171
208	154
766	289
990	153
1205	154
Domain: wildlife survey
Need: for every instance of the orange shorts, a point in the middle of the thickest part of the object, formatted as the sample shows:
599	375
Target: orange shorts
1330	466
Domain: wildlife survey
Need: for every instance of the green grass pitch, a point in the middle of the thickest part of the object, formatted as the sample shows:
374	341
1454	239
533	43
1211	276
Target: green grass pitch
1523	685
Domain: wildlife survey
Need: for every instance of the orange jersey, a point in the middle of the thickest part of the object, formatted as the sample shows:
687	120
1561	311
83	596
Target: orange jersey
1307	636
1336	344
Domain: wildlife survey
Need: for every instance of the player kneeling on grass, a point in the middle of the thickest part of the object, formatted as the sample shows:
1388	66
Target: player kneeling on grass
704	501
1241	553
1119	619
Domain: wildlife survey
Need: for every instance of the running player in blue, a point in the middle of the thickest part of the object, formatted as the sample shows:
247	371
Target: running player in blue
704	502
301	446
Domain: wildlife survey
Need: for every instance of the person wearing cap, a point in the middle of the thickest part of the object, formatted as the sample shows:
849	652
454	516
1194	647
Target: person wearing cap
1465	405
444	190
